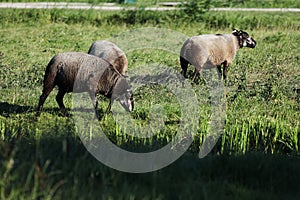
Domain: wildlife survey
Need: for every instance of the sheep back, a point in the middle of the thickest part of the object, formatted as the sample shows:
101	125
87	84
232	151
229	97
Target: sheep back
110	52
209	50
89	72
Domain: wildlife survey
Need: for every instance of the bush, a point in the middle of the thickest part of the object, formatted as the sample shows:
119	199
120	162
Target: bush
193	10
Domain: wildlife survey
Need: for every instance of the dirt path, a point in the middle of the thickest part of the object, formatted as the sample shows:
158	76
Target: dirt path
115	7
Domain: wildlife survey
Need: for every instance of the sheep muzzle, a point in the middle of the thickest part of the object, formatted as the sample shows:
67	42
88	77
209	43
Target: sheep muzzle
249	42
126	100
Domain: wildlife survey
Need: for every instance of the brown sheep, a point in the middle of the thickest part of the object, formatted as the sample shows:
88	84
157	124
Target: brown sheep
110	52
91	74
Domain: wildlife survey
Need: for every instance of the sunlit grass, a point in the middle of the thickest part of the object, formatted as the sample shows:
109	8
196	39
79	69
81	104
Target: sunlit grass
46	159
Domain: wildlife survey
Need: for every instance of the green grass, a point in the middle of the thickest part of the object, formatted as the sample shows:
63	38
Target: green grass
213	3
257	157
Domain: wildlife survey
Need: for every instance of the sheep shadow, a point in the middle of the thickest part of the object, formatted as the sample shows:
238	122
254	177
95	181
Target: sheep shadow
6	109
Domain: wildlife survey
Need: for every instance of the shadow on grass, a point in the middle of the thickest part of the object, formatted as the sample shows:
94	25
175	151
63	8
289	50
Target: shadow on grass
48	158
58	161
6	109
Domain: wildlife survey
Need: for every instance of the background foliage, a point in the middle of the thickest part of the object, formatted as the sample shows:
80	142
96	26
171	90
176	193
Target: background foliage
213	3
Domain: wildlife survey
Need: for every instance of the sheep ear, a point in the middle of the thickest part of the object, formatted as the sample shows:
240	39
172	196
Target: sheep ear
235	32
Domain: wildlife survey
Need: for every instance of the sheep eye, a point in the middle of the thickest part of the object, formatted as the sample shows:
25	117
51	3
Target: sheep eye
245	35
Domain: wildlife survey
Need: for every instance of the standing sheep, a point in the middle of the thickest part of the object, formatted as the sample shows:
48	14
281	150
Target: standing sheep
110	52
206	51
80	72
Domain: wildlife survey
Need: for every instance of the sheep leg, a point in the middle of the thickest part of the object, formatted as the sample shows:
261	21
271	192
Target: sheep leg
197	70
59	99
220	71
43	97
225	71
225	66
109	106
184	64
95	104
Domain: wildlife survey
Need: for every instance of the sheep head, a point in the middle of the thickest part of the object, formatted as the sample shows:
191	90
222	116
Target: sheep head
122	93
245	40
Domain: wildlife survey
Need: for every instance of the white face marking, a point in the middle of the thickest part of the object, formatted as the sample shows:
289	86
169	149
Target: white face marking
126	103
122	101
130	106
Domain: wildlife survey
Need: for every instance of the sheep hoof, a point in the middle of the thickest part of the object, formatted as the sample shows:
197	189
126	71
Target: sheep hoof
64	114
97	117
35	118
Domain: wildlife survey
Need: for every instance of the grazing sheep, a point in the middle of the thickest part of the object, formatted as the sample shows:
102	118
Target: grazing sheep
206	51
88	74
110	52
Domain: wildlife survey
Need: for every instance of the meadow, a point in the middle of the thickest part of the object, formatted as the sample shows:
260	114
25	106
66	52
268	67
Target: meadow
256	157
212	3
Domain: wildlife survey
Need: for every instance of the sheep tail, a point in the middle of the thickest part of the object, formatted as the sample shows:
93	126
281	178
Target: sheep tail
49	83
50	75
184	65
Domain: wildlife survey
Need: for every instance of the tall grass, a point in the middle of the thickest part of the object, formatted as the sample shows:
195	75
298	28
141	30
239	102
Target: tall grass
206	20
